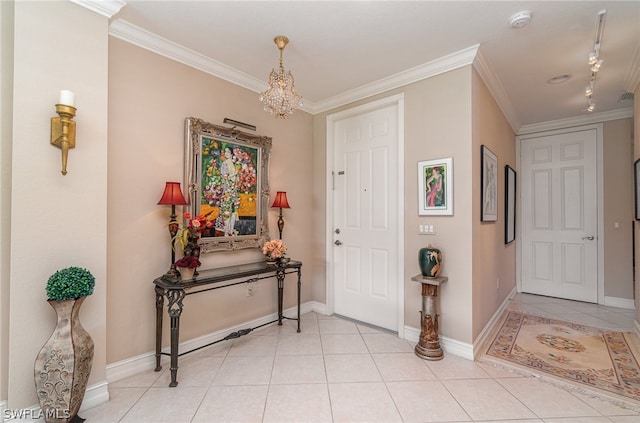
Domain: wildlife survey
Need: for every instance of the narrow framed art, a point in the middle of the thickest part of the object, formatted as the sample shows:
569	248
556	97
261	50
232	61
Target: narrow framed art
435	187
636	180
489	184
509	204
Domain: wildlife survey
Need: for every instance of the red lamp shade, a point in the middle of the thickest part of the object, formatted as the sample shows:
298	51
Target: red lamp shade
281	200
172	195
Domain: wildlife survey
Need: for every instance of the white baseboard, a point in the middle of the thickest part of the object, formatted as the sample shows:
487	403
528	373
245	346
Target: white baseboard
95	395
626	303
319	307
488	328
449	345
147	361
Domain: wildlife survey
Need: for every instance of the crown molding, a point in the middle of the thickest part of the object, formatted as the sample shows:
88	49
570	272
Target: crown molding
106	8
576	121
149	41
497	90
632	79
435	67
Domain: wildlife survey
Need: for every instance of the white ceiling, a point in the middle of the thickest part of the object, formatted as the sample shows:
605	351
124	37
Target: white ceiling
342	51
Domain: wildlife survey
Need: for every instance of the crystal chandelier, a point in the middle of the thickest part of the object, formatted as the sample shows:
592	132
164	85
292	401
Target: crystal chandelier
280	98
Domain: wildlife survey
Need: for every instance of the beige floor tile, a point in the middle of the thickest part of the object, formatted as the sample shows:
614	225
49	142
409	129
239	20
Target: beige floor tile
578	420
171	405
609	407
402	367
351	368
141	380
426	401
386	343
291	369
485	399
299	344
244	371
193	372
120	401
253	345
452	367
362	328
545	399
232	404
362	402
297	403
337	326
625	419
343	344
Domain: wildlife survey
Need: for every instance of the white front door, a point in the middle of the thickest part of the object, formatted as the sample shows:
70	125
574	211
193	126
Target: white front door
560	215
366	208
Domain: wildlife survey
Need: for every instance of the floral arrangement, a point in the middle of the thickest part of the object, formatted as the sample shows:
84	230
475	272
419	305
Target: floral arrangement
274	249
188	261
70	284
193	228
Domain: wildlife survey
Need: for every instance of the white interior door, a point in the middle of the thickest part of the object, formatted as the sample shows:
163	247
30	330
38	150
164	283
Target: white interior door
366	208
560	215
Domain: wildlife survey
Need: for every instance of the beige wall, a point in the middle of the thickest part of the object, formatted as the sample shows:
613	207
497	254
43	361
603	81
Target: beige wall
149	98
56	221
618	209
6	124
494	274
437	125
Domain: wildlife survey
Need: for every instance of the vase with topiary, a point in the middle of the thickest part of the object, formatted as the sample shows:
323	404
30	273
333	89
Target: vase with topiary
63	365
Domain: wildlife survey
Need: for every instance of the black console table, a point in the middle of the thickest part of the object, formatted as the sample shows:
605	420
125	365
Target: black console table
175	291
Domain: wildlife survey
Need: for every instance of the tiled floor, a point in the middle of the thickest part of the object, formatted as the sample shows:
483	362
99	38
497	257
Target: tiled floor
340	371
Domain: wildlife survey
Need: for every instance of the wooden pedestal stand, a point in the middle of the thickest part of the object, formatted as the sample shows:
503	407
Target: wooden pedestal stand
428	346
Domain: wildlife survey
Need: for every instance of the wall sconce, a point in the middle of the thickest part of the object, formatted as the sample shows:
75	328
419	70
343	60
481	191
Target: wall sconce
63	128
172	196
282	203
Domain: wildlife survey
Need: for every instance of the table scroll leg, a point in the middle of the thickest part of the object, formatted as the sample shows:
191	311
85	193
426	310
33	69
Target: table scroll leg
175	298
299	282
159	311
280	276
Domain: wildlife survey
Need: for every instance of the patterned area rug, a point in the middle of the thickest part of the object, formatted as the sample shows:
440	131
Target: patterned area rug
595	358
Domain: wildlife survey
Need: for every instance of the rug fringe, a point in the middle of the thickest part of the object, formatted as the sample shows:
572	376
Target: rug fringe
567	386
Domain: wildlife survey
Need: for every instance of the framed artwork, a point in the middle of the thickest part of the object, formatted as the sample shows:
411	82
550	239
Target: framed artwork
636	173
227	175
509	204
489	184
435	187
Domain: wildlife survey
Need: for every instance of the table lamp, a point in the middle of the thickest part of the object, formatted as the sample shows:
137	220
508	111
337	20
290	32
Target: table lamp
172	196
282	203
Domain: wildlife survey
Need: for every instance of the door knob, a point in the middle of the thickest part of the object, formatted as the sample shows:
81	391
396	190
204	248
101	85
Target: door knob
338	243
590	237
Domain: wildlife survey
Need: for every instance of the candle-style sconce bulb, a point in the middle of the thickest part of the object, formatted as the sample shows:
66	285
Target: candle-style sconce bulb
63	131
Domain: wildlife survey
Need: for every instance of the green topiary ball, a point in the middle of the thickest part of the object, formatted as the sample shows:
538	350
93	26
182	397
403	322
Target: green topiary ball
70	284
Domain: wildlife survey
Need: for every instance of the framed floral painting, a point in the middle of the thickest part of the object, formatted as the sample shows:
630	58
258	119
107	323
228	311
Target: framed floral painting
227	172
489	184
435	187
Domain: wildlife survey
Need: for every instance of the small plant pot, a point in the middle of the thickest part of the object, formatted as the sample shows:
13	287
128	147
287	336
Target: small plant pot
186	273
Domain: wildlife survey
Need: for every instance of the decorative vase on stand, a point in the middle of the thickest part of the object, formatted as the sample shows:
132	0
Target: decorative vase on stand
430	260
186	273
63	365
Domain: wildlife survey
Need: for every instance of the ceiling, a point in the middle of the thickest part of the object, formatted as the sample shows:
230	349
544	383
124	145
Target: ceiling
343	51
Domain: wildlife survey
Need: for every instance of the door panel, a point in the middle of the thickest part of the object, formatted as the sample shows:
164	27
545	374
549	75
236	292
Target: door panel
559	217
365	212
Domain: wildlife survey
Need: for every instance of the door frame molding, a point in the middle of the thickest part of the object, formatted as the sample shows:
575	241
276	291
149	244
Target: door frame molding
398	101
599	128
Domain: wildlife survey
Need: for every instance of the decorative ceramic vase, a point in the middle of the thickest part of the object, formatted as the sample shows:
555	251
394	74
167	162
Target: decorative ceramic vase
430	260
186	272
192	249
63	365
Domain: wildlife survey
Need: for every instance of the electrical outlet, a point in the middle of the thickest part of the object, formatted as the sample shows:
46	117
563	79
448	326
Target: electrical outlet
427	229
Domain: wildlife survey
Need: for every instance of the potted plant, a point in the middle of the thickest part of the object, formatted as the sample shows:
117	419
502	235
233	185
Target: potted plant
187	266
63	364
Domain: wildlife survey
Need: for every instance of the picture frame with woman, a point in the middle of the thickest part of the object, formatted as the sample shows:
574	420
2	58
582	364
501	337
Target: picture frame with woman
435	187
